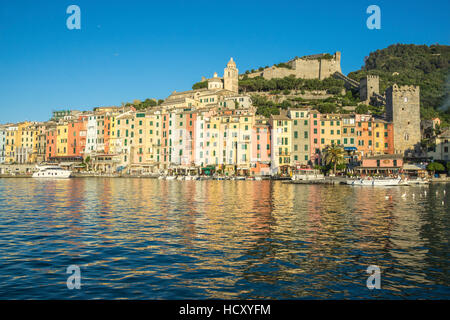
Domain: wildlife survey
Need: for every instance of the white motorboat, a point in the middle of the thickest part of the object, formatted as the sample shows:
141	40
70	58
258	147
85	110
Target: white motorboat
308	174
375	182
52	171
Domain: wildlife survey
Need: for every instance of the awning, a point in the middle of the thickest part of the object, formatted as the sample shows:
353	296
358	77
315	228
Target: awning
350	148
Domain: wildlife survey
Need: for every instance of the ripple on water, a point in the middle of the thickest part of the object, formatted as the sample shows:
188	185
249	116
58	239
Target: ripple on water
153	239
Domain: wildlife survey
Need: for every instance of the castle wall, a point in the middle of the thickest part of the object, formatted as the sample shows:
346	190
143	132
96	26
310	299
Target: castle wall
304	68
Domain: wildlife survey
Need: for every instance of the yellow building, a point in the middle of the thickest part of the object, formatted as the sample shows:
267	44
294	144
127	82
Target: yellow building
281	144
61	139
29	136
12	133
244	150
330	130
147	142
378	136
113	135
124	140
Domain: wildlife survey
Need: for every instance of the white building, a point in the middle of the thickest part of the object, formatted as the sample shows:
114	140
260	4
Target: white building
2	144
91	138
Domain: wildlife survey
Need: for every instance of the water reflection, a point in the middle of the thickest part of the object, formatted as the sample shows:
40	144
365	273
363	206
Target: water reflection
157	239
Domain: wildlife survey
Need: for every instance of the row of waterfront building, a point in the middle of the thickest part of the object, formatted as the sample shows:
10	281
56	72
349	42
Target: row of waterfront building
213	127
195	137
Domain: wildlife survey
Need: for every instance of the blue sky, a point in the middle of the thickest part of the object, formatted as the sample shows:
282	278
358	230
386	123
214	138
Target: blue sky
129	50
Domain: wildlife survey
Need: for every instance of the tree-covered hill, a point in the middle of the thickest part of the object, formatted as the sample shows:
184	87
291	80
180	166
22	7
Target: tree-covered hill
409	64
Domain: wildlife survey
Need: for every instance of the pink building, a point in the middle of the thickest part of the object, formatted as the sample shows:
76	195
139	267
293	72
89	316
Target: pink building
314	133
386	164
260	156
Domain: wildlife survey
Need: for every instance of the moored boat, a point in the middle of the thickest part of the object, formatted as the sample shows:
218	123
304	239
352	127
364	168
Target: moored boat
376	182
52	171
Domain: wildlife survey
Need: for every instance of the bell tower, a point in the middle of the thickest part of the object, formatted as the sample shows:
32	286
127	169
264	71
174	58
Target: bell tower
230	77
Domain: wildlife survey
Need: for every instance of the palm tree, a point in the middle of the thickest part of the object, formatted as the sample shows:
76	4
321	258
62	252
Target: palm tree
334	155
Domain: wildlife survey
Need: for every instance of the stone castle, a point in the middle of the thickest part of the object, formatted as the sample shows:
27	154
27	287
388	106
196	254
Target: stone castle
403	110
319	66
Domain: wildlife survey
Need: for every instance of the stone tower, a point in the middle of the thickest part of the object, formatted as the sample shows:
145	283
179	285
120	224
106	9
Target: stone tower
403	110
230	77
368	85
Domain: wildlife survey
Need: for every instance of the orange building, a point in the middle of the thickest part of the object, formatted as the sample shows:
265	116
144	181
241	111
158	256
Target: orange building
77	136
50	149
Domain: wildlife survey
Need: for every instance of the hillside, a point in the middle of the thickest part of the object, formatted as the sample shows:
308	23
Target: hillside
408	64
404	64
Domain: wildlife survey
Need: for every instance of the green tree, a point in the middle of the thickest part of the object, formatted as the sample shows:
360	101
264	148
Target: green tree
334	155
200	85
435	167
409	64
362	109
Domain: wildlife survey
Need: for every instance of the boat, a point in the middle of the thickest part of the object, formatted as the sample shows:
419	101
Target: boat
52	171
376	182
418	181
307	174
171	177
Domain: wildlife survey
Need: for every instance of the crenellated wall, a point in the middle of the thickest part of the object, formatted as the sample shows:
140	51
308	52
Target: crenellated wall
309	67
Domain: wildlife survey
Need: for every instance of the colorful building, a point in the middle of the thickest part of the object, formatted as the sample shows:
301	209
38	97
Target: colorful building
281	144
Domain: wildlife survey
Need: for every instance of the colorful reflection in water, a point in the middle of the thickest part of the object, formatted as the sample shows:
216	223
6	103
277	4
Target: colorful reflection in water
157	239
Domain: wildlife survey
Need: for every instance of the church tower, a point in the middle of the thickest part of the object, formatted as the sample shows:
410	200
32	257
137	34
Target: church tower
230	77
